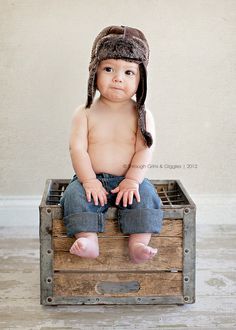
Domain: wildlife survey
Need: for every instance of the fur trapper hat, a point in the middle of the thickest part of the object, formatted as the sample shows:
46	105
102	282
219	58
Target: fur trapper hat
129	44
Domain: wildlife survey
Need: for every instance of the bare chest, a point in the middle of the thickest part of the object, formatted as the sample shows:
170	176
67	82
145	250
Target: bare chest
110	128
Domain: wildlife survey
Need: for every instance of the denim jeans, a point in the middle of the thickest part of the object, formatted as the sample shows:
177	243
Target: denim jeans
83	216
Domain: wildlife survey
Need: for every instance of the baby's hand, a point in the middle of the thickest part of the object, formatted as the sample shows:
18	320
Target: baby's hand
95	189
127	189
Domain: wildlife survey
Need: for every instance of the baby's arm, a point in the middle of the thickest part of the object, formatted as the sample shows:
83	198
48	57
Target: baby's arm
80	158
143	154
129	187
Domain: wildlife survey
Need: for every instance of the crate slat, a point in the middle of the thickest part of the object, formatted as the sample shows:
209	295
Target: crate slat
170	228
114	256
145	284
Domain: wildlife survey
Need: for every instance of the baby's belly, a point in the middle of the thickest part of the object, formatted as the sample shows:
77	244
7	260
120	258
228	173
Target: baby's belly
113	159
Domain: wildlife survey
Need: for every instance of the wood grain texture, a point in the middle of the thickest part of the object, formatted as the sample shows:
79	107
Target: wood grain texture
84	284
114	256
171	227
114	251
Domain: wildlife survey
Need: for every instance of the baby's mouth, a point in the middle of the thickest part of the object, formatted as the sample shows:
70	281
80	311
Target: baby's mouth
117	88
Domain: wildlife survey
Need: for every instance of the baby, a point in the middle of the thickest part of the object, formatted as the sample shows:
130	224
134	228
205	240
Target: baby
111	144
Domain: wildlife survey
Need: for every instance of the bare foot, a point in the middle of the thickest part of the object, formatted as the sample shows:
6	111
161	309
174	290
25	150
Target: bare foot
85	248
140	252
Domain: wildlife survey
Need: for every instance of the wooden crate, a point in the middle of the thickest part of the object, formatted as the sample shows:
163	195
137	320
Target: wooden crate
111	278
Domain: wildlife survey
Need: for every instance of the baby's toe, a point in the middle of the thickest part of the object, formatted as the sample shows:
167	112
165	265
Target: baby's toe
74	248
72	251
152	252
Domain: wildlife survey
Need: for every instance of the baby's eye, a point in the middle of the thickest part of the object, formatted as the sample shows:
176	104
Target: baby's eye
129	73
108	69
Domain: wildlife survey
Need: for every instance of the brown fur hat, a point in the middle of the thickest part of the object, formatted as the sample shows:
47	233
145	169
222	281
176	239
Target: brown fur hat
126	43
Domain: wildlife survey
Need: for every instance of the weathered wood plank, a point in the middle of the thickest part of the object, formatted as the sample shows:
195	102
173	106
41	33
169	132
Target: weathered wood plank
111	243
148	284
170	228
114	256
22	281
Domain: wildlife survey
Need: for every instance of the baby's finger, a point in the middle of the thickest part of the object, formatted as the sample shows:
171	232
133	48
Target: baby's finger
104	190
130	197
117	189
101	199
95	198
118	198
125	198
136	194
105	198
88	196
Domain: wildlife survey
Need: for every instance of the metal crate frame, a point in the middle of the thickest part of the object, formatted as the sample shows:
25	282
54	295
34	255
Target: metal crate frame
174	208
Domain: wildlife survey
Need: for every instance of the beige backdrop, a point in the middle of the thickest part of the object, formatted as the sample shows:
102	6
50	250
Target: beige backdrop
45	48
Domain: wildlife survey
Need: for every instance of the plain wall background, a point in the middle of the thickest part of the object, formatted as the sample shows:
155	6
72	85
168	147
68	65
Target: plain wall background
44	52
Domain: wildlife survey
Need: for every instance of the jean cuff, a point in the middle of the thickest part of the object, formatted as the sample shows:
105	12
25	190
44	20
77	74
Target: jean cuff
84	222
137	221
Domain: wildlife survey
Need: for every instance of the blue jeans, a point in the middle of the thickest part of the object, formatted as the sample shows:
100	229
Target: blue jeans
83	216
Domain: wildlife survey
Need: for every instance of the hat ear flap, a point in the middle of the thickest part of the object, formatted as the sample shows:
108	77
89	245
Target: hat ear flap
91	85
142	87
142	125
148	138
140	98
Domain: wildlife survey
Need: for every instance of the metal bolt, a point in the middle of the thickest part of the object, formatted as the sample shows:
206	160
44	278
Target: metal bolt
186	298
49	211
187	210
186	279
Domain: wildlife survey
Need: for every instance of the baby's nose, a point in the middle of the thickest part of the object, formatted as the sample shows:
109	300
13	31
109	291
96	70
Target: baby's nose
118	77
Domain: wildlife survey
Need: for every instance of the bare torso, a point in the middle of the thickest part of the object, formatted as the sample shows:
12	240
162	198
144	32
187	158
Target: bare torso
111	139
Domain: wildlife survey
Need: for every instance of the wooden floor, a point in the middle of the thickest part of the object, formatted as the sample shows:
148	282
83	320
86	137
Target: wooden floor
215	306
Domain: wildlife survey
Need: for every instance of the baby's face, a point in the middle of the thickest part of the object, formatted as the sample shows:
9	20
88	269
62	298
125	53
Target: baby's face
117	80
